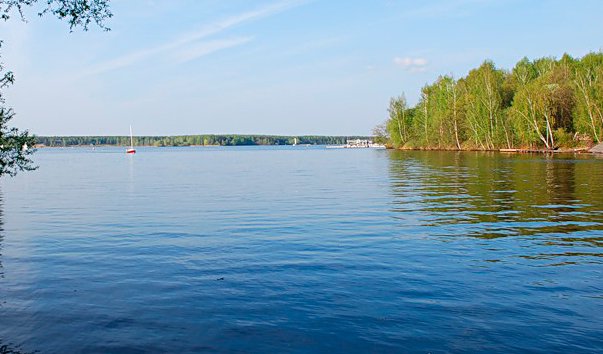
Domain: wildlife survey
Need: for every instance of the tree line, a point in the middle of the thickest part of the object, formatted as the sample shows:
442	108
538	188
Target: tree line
540	104
191	140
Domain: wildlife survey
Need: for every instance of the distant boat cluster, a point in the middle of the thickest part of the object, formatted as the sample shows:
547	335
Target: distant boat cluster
358	143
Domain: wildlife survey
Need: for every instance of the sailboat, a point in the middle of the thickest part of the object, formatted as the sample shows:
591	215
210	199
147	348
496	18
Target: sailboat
131	150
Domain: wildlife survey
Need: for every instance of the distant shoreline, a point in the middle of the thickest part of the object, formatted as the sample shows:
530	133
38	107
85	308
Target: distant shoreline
195	140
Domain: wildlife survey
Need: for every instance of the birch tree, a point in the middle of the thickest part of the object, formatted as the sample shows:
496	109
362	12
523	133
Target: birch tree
399	123
588	81
484	104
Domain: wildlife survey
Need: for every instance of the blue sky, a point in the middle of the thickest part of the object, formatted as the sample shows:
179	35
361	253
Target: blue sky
269	67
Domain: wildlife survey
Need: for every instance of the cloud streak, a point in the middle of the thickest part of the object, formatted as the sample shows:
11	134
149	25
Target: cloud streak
411	64
184	41
208	47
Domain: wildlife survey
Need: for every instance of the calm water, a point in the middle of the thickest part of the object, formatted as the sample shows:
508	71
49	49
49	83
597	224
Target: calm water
301	250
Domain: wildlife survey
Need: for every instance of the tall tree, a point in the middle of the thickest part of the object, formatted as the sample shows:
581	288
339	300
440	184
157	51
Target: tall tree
400	121
545	100
454	90
484	105
588	81
530	111
444	121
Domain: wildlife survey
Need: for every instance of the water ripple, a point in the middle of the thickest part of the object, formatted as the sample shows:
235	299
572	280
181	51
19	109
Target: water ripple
302	250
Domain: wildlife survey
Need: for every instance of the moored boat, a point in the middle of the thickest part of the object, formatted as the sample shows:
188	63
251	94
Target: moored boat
131	149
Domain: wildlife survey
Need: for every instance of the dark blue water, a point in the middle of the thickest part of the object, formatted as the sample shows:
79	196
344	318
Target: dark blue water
298	250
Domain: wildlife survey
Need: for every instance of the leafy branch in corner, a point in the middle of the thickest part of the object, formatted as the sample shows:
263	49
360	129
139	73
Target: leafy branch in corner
78	13
15	145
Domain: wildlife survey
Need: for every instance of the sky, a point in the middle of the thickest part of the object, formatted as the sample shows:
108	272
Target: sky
287	67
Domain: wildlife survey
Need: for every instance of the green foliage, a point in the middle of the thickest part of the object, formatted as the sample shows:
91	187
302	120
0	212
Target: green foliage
484	107
78	13
400	121
380	134
565	139
545	103
588	85
15	146
440	114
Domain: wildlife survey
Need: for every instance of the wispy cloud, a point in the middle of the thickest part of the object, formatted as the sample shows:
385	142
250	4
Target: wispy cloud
188	43
208	47
411	64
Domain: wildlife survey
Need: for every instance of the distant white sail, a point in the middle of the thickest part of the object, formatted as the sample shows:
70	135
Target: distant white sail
131	150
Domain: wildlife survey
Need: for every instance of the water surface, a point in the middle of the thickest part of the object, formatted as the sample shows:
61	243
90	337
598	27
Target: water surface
281	249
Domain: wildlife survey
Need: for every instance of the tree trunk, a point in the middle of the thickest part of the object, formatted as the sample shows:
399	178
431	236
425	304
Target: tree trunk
456	128
581	83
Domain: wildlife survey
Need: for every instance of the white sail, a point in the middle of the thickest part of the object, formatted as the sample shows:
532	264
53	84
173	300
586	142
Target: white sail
131	150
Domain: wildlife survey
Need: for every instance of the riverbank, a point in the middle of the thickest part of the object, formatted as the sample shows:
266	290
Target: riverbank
537	105
598	149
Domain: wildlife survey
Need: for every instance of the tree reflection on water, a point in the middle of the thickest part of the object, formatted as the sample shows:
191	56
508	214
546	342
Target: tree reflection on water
556	199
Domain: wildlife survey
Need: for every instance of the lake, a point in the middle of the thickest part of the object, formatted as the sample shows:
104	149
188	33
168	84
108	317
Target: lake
301	249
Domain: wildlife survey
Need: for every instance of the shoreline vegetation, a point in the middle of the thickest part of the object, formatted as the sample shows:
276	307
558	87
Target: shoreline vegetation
192	140
543	105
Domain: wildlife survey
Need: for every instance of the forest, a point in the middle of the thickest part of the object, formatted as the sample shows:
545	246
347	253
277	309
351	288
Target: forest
192	140
544	104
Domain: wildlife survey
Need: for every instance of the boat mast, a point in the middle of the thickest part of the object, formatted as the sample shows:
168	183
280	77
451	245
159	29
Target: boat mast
131	139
